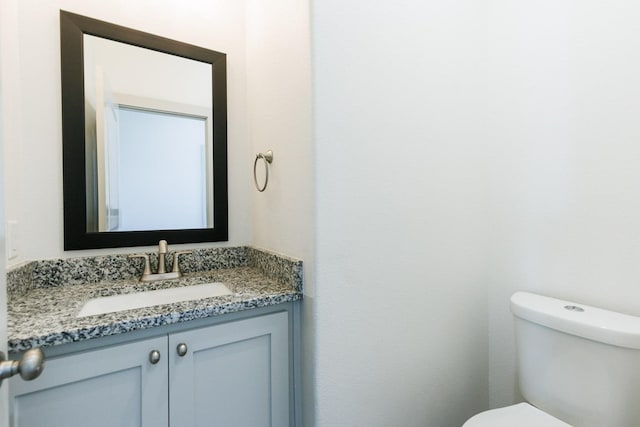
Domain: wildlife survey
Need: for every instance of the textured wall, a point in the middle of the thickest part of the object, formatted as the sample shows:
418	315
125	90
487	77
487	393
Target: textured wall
398	107
563	125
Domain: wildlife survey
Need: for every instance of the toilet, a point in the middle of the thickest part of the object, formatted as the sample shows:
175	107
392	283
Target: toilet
577	366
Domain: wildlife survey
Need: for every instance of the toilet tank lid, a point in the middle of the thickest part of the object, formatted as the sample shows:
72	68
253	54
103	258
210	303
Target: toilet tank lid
577	319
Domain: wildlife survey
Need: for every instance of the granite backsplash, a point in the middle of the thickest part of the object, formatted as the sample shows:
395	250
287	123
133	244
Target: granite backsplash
107	268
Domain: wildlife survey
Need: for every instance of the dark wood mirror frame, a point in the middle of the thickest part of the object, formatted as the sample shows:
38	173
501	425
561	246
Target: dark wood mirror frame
76	236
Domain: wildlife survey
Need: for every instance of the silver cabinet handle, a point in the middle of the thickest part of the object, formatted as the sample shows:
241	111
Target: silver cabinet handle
182	349
154	357
29	367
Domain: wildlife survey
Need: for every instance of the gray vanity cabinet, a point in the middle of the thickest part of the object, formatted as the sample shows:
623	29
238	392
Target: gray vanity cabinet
228	374
235	375
113	386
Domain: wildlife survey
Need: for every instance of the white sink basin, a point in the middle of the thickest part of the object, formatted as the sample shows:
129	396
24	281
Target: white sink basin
123	302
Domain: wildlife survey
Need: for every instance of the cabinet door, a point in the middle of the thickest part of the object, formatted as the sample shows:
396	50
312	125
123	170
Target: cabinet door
233	374
113	386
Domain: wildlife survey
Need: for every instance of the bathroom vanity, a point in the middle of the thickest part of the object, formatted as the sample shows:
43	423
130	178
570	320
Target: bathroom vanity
124	346
224	360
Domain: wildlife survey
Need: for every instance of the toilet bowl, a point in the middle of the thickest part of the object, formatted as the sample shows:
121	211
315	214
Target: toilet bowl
577	365
520	415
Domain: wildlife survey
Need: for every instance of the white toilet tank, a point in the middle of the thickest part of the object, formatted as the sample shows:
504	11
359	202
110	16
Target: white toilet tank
578	363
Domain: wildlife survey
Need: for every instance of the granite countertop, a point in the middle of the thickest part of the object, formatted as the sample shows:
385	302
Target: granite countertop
46	316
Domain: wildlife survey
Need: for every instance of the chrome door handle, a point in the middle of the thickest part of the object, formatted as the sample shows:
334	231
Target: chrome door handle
29	366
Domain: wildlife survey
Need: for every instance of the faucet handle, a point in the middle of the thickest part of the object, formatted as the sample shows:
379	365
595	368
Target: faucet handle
176	266
147	264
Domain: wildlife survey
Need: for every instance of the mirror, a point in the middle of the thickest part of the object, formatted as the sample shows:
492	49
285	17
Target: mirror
144	137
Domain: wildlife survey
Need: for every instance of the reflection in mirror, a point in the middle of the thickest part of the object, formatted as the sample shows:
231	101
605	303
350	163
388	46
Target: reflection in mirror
136	133
145	149
144	128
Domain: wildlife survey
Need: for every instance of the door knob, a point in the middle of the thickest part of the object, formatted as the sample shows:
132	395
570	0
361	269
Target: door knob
29	366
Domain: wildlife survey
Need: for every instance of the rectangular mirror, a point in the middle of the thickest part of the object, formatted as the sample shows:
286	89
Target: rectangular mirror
144	128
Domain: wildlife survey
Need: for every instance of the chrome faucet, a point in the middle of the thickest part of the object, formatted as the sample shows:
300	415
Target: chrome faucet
161	274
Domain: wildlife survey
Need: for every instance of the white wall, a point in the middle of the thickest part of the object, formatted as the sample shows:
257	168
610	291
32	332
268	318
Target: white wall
279	102
34	155
136	71
565	155
279	99
401	301
8	56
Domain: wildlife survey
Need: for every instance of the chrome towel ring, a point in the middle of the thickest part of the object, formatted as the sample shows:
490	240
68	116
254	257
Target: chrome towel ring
268	158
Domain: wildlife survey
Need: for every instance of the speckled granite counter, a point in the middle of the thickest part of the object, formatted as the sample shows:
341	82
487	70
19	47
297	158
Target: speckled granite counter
45	298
